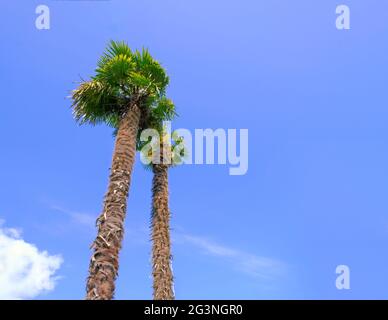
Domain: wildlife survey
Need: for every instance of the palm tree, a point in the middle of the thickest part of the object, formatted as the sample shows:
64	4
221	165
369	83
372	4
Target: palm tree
162	157
124	94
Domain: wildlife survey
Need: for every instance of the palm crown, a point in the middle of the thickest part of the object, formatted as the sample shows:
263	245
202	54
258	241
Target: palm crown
124	78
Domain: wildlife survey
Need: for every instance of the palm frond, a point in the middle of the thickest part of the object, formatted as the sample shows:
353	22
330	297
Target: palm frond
116	48
152	70
162	109
116	71
95	102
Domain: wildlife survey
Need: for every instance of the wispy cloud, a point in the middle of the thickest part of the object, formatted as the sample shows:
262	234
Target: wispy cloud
251	264
135	234
81	218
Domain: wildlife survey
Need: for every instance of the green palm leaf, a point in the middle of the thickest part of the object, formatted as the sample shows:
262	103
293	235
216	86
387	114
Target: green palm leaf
123	77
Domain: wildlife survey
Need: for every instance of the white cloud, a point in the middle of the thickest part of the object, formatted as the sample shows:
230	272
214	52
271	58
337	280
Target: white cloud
251	264
25	271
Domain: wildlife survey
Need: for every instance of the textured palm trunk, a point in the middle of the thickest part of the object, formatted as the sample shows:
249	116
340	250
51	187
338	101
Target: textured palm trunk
104	263
161	246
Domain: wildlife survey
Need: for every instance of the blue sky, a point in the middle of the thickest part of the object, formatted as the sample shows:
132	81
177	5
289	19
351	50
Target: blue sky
313	98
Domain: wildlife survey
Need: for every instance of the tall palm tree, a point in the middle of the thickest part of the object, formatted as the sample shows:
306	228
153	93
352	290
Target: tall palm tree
124	94
161	161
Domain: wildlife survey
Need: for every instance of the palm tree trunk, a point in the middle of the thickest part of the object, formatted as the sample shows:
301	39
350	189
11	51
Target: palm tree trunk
161	247
104	263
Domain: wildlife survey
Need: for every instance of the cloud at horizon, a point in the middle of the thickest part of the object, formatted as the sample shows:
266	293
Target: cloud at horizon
25	271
